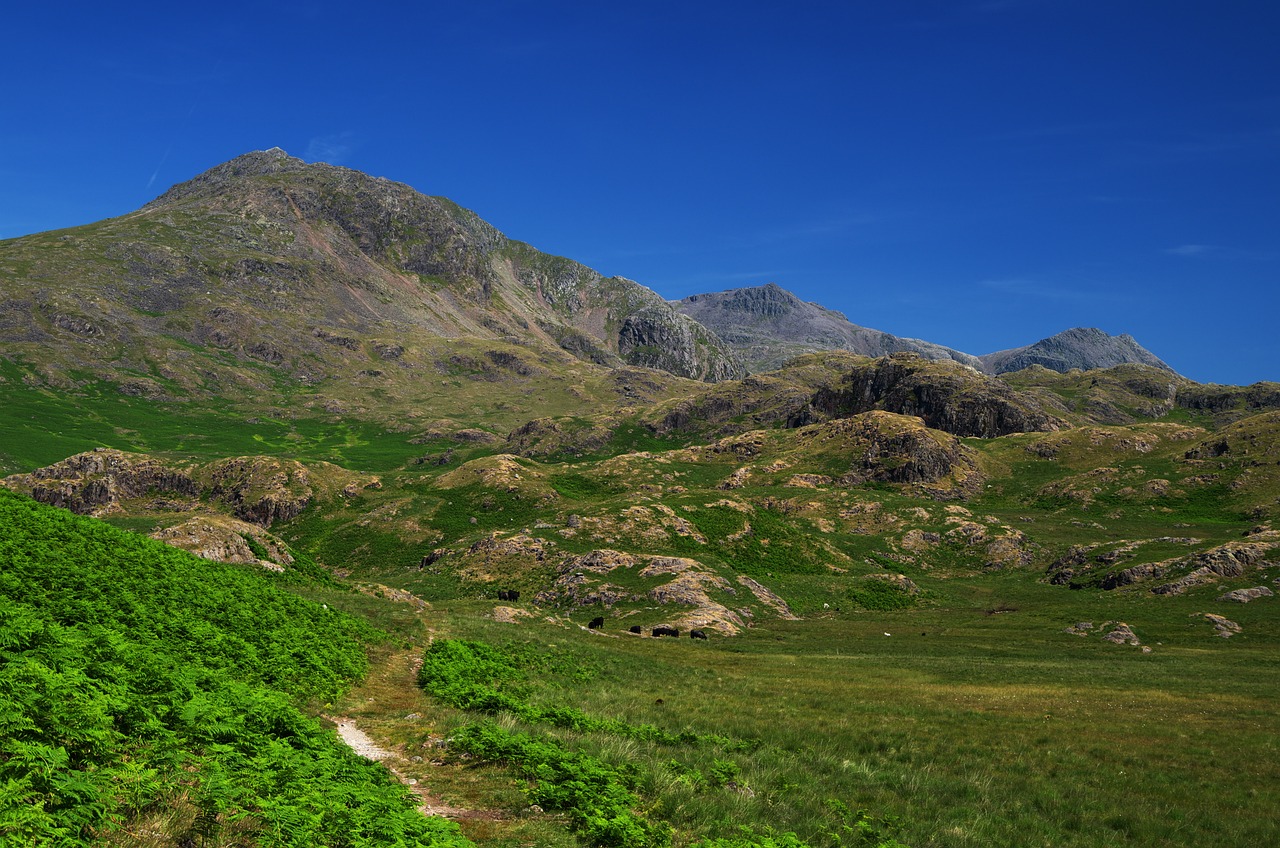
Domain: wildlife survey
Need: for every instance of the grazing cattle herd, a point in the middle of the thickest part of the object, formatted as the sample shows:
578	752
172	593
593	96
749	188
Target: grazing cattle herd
597	623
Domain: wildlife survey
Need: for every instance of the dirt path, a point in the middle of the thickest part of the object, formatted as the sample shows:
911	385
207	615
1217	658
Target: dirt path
429	805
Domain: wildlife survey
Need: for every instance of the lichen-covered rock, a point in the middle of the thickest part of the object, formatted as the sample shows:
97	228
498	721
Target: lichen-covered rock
517	545
767	597
260	489
598	562
1222	627
1228	560
94	482
225	539
1122	634
1244	596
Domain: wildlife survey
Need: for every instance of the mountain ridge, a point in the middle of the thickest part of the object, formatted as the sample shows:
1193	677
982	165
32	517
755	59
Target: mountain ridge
768	325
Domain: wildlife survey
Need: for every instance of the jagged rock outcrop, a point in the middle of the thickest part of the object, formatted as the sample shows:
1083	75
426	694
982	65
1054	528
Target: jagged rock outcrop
94	482
1083	347
768	325
1122	634
709	600
1244	596
1224	561
260	490
948	396
659	337
1223	627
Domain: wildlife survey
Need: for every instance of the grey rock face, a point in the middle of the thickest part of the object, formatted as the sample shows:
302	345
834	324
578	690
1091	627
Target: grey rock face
768	325
659	337
1122	634
1244	596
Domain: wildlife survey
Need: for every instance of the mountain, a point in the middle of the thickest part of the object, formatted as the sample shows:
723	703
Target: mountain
1083	347
320	274
767	325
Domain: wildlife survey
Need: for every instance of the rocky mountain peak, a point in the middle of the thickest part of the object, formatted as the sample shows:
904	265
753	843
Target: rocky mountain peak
1079	347
767	300
256	163
768	325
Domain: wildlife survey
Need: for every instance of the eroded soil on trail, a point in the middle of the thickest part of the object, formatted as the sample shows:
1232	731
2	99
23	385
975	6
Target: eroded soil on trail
429	805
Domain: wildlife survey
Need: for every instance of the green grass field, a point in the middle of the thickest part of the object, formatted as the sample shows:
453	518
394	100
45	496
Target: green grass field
977	722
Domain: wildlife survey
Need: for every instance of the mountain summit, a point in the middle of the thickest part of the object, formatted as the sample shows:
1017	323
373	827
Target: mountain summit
319	272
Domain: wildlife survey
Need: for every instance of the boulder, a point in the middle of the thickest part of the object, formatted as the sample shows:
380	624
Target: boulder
1244	596
1223	627
1122	634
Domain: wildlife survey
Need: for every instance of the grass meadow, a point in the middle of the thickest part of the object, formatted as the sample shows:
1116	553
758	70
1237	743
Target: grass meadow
977	721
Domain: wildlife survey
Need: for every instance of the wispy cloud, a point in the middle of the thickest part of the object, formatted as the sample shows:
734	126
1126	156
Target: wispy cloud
1030	287
1210	145
159	165
333	149
1220	252
1191	250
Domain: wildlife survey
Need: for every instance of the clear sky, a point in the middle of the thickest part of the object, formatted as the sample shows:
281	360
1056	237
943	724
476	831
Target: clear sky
977	173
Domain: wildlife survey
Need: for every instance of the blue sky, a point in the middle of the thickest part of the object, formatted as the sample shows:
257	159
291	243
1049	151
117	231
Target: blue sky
978	173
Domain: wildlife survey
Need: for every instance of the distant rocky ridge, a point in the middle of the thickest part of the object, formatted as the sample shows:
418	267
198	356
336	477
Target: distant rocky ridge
1083	347
768	325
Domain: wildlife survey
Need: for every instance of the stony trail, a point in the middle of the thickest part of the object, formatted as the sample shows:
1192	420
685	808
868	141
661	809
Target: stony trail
429	805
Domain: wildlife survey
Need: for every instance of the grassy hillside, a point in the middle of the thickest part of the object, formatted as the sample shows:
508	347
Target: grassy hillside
143	690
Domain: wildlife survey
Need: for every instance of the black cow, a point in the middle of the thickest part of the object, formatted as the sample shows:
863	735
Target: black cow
697	634
635	628
508	595
596	623
666	631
